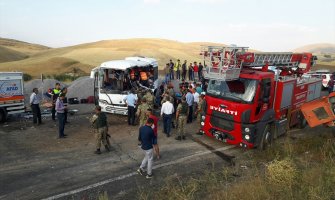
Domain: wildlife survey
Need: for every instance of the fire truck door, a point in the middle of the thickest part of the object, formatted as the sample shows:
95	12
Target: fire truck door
264	96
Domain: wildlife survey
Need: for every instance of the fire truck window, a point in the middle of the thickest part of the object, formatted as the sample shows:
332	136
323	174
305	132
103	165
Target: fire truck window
241	89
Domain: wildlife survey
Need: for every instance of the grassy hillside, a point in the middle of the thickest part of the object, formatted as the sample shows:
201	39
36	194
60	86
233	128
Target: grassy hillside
22	47
322	48
8	55
86	56
39	59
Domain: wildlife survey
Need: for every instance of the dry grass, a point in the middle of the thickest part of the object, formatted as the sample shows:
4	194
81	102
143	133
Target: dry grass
22	47
8	55
289	171
86	56
90	55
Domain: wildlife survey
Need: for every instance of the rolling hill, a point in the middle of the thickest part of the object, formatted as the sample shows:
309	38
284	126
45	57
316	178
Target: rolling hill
8	55
86	56
22	47
36	59
322	48
325	53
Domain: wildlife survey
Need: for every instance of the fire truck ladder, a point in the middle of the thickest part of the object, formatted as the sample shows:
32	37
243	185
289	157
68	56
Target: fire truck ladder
272	59
222	63
225	63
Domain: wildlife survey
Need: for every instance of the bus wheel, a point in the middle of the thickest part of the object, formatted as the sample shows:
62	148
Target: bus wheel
267	138
2	115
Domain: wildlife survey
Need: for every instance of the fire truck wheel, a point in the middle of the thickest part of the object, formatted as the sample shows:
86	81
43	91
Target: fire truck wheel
302	123
2	115
267	138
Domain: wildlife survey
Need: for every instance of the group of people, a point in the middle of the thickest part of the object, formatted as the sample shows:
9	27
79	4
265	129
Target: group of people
193	71
177	109
59	106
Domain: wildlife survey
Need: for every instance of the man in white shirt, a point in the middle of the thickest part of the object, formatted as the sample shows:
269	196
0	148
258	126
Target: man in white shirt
166	112
35	107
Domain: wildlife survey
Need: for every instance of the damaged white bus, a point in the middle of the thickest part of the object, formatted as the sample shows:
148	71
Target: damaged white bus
113	80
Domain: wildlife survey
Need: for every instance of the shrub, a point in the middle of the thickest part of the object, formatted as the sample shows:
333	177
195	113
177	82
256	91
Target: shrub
27	77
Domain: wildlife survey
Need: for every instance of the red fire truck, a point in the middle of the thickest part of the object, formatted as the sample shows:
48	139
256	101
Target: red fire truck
249	105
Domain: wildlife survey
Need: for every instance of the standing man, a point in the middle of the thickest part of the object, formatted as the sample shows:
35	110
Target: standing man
99	121
195	71
142	112
60	108
184	70
150	99
155	128
176	68
167	73
331	83
196	100
54	96
35	107
166	112
201	110
146	137
130	101
201	67
190	72
181	116
190	100
64	92
171	65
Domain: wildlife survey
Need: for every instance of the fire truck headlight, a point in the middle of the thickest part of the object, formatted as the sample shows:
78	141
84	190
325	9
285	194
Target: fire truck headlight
203	118
247	130
247	137
202	123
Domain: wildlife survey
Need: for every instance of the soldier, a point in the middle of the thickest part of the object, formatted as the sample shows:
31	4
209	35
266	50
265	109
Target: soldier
181	116
99	121
165	96
201	110
150	99
141	112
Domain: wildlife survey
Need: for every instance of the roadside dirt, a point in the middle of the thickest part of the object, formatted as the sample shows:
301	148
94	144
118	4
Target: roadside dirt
36	164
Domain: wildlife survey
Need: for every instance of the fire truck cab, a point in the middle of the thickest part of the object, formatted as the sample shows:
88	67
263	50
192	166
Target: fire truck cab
250	106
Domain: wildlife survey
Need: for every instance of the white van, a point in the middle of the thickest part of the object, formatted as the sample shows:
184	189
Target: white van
113	80
324	74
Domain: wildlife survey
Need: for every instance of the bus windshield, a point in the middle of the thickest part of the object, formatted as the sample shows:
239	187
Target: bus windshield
240	90
116	81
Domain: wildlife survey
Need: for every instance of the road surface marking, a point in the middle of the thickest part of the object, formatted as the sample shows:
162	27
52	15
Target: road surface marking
134	173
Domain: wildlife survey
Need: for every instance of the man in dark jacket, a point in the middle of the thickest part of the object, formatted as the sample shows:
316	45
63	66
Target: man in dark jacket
146	138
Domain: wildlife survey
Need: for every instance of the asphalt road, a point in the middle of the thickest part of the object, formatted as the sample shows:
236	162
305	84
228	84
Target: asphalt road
36	164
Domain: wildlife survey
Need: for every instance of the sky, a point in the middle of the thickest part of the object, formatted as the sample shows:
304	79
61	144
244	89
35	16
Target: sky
266	25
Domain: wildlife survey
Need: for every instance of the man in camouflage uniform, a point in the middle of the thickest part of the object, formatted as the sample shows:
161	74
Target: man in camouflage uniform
150	99
181	117
99	122
141	112
200	111
165	96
